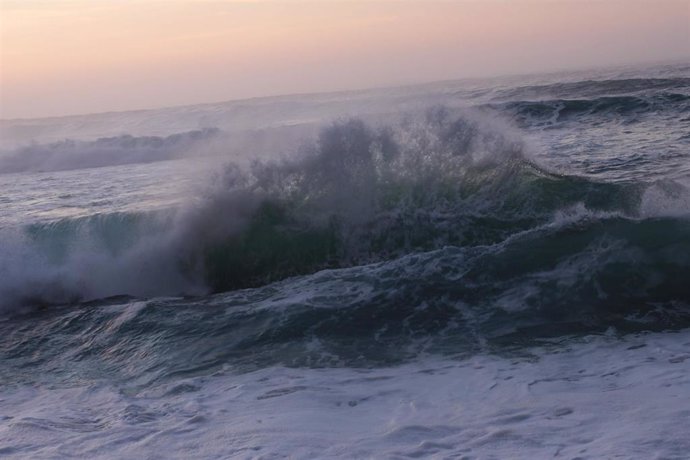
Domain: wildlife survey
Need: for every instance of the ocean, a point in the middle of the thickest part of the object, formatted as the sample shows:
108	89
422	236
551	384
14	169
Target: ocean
493	268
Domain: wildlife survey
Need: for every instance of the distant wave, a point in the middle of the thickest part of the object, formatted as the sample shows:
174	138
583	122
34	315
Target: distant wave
594	88
107	151
549	112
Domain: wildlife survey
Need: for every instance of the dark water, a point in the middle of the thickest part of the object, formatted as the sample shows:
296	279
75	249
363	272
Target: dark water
540	212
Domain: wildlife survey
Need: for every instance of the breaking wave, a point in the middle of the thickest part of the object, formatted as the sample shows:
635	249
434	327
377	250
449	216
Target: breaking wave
449	202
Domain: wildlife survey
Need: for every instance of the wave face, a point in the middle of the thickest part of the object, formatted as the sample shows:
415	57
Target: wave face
581	274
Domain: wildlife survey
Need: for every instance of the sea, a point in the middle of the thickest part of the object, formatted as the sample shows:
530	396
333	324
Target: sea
474	269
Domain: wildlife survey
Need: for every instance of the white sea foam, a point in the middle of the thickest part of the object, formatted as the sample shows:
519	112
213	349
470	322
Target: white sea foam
597	397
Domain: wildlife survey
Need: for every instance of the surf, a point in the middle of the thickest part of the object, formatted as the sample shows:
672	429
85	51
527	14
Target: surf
360	193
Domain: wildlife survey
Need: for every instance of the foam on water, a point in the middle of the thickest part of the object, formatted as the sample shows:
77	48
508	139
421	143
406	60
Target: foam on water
596	397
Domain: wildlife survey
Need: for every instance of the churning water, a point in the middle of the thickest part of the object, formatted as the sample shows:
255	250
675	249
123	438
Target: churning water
461	270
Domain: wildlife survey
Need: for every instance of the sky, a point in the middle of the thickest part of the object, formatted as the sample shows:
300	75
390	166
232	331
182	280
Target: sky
61	57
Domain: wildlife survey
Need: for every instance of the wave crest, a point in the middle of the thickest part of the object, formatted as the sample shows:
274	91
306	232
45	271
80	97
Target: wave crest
358	194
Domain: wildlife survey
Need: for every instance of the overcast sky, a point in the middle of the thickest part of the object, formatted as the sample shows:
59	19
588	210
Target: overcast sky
63	57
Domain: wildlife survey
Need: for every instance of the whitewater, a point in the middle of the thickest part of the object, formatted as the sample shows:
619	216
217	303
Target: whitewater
487	268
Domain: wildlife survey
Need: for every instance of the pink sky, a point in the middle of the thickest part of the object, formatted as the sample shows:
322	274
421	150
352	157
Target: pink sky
63	57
